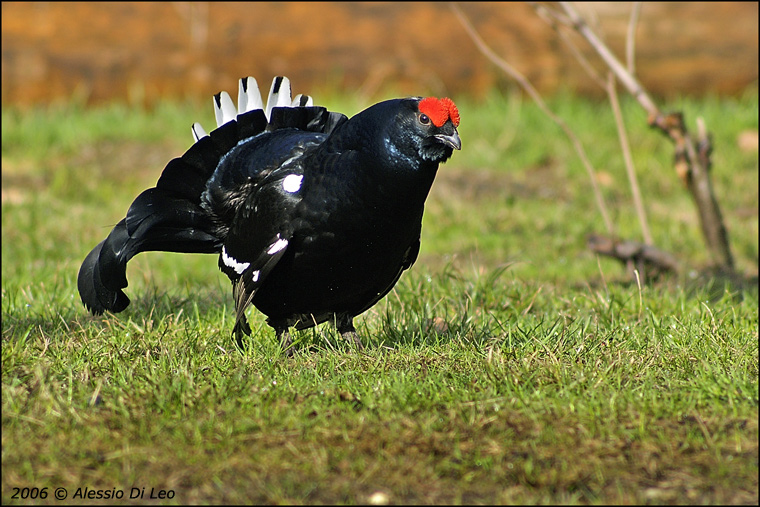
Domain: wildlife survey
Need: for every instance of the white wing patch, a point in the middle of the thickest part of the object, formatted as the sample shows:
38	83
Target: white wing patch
230	262
292	183
277	245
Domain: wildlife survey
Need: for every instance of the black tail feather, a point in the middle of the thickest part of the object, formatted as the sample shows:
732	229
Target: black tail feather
167	218
155	222
96	297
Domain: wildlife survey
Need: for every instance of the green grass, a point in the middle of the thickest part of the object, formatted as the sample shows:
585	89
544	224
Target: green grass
510	365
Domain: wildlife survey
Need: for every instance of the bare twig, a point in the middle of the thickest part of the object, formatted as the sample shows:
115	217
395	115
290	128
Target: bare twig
629	167
530	90
626	78
630	40
691	163
692	169
551	17
704	143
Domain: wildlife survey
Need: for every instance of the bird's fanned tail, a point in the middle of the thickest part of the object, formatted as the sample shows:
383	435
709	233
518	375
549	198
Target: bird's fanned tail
170	217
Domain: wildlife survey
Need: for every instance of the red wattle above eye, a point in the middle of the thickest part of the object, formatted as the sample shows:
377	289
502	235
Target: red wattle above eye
440	110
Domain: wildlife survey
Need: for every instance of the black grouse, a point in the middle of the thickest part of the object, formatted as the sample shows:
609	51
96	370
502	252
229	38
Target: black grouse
314	215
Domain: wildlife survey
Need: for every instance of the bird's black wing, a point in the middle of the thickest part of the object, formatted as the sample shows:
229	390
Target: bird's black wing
250	279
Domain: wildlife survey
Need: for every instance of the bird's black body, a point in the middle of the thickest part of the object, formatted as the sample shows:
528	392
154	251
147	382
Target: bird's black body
315	216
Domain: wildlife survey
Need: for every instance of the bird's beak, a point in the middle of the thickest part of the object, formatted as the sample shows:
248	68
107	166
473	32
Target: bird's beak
451	140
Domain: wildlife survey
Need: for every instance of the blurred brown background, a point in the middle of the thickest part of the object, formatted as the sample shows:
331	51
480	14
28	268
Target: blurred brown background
141	52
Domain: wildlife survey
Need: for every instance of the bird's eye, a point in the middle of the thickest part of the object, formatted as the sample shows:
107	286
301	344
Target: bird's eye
424	119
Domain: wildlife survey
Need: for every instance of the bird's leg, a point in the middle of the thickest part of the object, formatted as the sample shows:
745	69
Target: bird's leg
241	323
241	328
286	341
344	323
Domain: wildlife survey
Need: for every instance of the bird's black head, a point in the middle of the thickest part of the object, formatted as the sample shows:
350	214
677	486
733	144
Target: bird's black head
427	129
407	134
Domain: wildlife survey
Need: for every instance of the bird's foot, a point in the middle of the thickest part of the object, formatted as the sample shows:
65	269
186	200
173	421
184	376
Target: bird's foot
286	342
353	337
344	323
241	329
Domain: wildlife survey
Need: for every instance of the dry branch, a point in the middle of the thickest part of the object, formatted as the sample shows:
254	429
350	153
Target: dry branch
648	260
692	163
552	17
